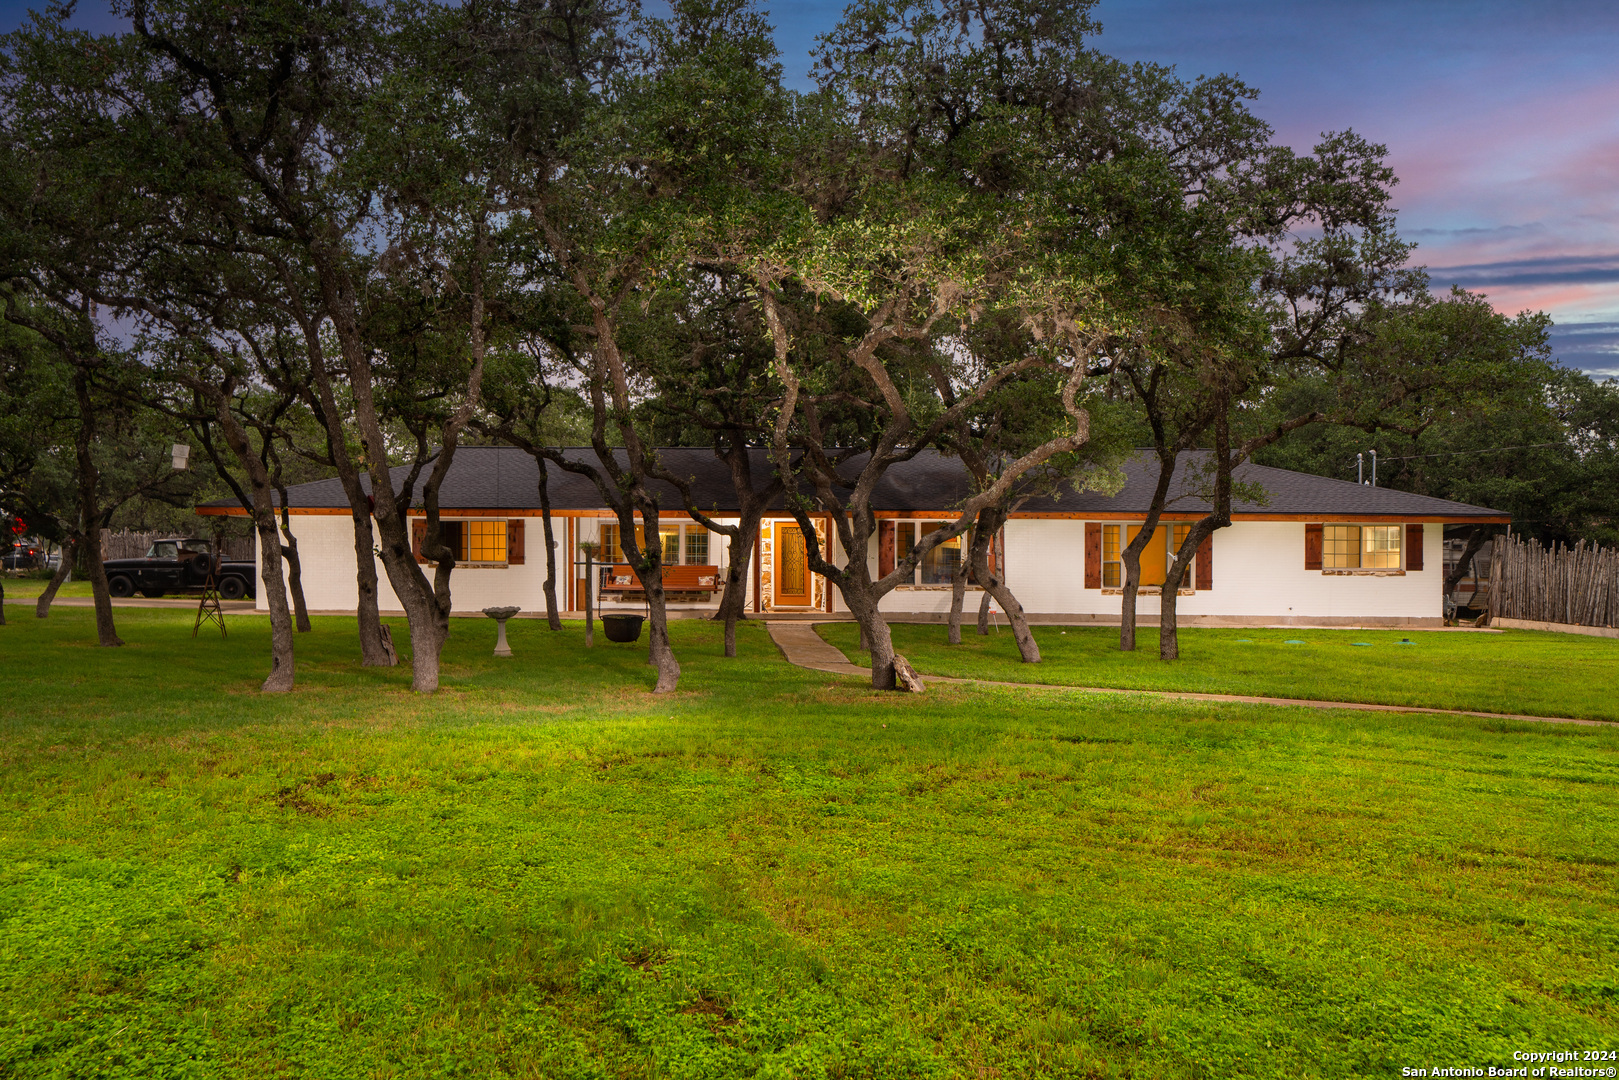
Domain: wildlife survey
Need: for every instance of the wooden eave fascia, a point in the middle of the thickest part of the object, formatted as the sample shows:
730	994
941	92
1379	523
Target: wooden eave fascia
918	515
1447	519
490	512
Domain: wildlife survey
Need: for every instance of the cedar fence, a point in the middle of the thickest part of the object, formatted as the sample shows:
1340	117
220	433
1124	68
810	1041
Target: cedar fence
132	545
1578	585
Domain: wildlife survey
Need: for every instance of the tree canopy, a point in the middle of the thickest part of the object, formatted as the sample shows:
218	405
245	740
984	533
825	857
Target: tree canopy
339	238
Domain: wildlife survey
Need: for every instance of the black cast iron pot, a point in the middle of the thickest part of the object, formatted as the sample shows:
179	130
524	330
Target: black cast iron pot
623	627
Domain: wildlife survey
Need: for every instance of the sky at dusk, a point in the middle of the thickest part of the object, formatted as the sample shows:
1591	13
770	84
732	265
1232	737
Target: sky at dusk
1501	118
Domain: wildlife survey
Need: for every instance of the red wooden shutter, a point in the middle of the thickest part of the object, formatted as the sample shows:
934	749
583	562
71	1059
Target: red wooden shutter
514	542
885	548
1205	563
418	537
1093	555
1413	546
1312	547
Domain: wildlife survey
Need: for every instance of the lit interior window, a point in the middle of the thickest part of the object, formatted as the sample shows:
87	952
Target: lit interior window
696	545
1340	547
1381	547
904	540
939	565
484	541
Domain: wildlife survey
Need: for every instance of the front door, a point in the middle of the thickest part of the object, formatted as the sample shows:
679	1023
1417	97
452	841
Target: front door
792	567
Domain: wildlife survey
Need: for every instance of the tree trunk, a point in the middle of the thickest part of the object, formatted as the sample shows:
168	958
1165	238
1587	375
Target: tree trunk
1131	555
958	596
1169	642
89	517
1127	609
295	574
426	643
42	607
983	614
874	635
106	632
552	618
425	602
1169	645
994	586
376	640
282	667
660	654
734	601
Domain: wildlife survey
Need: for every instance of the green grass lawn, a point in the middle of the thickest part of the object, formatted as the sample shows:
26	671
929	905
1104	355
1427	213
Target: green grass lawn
1515	671
544	871
29	588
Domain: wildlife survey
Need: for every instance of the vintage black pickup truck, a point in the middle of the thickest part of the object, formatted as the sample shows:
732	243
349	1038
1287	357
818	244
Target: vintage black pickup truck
180	564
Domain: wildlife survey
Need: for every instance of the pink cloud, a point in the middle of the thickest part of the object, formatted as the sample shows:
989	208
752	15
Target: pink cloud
1564	303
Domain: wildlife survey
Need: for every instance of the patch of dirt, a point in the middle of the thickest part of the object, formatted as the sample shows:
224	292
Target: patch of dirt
709	1005
646	959
292	797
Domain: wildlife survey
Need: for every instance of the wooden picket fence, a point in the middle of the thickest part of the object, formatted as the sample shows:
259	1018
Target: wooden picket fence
128	544
1577	585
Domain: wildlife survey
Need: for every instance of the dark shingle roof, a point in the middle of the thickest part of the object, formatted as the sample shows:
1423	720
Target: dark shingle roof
506	478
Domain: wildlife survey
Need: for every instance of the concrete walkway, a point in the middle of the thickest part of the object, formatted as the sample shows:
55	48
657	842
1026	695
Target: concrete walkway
802	646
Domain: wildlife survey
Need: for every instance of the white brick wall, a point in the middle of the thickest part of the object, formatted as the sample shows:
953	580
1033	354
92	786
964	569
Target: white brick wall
1258	573
326	553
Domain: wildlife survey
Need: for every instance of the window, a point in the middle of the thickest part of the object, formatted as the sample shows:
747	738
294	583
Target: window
1381	547
452	535
696	545
938	566
483	542
683	542
1155	557
1361	547
611	550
